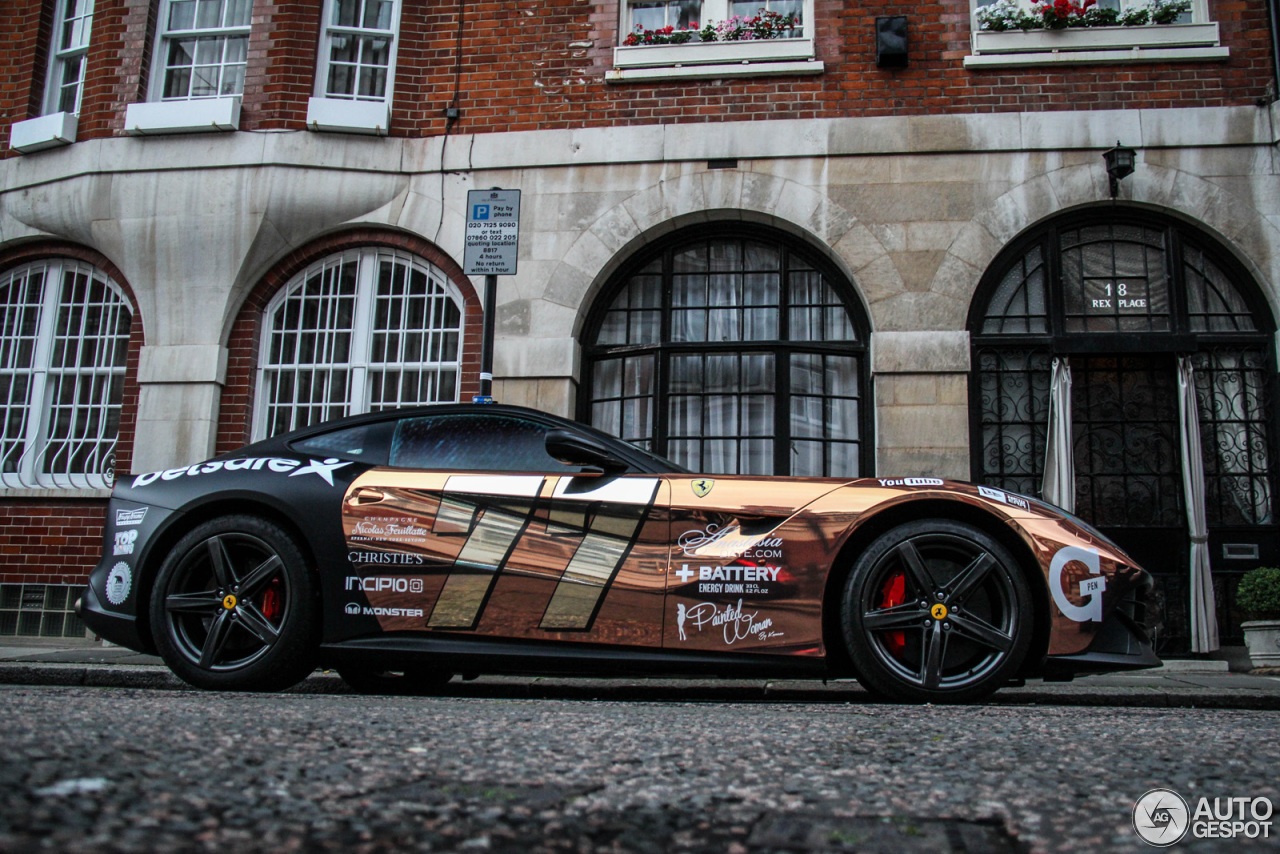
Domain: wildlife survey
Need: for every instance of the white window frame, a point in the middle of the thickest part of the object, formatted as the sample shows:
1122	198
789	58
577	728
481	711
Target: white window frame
702	60
1194	40
165	37
80	23
37	410
328	111
359	366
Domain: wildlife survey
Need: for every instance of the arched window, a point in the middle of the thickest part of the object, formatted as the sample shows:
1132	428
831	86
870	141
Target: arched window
1123	301
731	350
360	331
63	349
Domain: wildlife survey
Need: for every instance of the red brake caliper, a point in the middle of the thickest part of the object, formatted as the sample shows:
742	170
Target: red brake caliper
273	600
894	593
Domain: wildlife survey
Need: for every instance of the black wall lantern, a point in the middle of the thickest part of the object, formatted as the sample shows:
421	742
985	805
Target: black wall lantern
1120	161
891	41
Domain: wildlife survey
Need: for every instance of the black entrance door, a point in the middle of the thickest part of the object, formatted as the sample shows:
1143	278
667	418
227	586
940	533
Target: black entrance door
1124	412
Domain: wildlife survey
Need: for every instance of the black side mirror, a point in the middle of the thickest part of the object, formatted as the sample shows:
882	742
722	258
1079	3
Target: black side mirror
574	449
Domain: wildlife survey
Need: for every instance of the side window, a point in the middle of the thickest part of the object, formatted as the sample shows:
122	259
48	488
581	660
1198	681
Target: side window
356	67
356	49
472	442
366	443
202	49
74	19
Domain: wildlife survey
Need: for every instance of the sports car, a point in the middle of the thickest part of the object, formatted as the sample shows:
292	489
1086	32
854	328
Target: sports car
406	547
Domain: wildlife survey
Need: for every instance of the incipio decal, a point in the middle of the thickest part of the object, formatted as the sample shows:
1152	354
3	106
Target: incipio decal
119	581
1090	588
384	584
912	481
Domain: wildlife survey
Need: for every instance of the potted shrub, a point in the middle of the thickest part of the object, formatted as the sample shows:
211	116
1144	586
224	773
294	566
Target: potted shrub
1259	597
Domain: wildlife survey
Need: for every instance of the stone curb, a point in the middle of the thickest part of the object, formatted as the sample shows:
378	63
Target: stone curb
1052	694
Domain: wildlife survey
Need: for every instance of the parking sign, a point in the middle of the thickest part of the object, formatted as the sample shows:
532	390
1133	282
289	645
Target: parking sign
493	233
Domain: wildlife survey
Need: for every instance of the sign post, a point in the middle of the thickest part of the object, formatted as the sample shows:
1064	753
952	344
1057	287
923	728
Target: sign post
490	250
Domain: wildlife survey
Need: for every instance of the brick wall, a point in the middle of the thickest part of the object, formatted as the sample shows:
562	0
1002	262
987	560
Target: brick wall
49	542
235	413
539	64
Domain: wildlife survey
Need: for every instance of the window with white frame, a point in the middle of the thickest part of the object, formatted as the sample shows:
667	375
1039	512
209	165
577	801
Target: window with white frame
712	39
687	14
73	21
64	343
202	49
364	330
357	50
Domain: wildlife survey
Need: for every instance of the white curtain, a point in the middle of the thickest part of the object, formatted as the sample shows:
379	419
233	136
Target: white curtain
1204	614
1059	486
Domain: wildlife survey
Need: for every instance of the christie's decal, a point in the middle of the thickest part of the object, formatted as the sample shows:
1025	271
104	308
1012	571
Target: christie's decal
394	529
1004	497
729	541
324	470
385	558
912	481
733	622
1091	588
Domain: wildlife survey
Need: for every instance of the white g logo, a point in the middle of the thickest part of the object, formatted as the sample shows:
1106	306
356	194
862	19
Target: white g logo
1091	588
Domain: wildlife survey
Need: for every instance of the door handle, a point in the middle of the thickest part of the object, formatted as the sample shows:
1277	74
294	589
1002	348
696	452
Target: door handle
366	495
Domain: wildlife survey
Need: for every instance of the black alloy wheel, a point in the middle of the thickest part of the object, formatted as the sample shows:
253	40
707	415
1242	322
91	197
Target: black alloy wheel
936	611
406	681
235	607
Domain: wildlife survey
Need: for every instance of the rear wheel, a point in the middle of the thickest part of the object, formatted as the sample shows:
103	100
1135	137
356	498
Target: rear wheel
234	607
936	611
405	681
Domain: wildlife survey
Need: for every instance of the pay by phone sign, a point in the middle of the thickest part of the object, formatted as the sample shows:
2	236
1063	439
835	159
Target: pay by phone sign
493	233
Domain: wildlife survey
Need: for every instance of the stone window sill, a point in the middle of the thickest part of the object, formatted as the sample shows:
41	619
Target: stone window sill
342	115
1158	43
51	131
203	114
713	59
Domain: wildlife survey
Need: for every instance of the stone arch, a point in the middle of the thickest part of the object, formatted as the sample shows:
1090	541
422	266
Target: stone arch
712	196
245	323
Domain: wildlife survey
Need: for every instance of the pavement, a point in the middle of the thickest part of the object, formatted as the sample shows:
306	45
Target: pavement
1178	684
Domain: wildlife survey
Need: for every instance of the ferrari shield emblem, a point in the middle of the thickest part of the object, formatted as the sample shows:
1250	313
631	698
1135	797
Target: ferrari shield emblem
702	486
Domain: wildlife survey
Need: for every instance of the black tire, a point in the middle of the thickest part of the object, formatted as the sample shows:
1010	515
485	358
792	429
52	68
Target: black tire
407	681
936	611
235	607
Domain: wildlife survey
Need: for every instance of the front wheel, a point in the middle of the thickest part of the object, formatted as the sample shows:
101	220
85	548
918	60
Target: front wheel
234	607
936	611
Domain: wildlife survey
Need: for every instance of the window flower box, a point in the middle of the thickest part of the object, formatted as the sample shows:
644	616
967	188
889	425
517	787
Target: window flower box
1096	38
712	53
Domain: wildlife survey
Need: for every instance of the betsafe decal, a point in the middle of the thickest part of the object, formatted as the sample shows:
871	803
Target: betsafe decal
323	469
